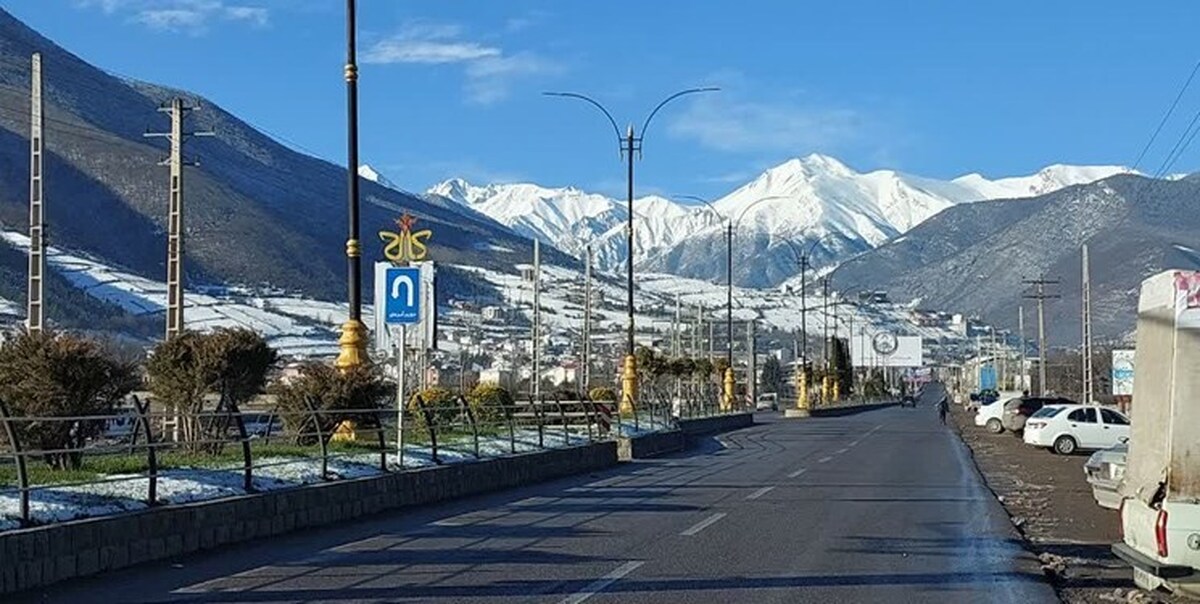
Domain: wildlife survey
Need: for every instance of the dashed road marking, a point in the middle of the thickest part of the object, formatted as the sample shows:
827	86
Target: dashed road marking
703	524
797	472
840	451
824	459
602	583
759	493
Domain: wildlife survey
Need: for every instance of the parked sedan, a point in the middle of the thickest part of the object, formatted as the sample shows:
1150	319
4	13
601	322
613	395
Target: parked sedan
1104	470
1017	412
989	415
1069	428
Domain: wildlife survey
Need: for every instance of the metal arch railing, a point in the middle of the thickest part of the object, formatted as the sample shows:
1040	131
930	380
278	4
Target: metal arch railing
311	435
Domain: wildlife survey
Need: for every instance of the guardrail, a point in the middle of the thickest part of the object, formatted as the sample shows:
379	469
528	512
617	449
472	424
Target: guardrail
140	449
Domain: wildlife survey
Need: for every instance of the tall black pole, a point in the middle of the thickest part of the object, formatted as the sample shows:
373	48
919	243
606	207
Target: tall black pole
804	308
729	293
629	144
353	339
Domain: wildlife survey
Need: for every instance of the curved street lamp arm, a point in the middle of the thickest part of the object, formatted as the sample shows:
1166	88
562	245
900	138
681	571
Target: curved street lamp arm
703	201
594	103
742	214
646	124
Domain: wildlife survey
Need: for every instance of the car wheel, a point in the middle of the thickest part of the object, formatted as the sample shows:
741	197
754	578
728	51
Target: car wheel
1065	445
994	426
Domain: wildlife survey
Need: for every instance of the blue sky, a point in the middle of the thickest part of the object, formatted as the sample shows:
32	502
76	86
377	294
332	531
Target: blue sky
936	88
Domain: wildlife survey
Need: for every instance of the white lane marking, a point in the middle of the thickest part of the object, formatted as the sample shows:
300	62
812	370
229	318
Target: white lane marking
840	451
602	583
760	493
797	472
824	459
703	524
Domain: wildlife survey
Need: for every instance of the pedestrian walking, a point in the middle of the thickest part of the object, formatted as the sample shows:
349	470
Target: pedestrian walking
943	407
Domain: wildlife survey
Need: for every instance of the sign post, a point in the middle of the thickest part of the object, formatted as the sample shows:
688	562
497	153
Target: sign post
401	309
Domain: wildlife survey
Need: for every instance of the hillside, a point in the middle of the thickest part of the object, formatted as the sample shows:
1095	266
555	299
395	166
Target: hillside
973	257
257	212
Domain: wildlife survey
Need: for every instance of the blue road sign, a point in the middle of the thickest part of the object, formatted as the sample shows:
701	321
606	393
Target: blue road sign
403	296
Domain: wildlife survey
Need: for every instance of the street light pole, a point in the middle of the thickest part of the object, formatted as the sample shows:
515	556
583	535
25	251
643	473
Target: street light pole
352	343
629	143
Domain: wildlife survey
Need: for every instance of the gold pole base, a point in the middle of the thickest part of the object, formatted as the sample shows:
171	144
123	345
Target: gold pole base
629	384
352	346
802	391
730	389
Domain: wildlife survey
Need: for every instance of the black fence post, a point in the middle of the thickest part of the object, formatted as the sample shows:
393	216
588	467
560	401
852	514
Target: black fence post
538	415
247	458
316	419
143	411
431	425
466	409
562	414
19	457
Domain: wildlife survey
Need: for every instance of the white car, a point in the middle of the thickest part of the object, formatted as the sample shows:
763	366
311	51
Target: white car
1069	428
990	415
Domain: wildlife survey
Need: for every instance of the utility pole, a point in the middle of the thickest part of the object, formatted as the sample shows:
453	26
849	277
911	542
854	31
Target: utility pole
825	321
676	325
1041	296
695	349
1088	384
536	343
175	230
35	311
751	365
1024	345
587	321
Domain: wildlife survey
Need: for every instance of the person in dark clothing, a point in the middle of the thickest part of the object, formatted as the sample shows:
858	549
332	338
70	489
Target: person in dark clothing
943	407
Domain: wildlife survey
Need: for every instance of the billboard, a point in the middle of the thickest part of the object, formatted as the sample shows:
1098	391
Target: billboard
1122	372
885	349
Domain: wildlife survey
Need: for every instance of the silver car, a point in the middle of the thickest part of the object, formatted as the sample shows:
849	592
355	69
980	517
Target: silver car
1104	470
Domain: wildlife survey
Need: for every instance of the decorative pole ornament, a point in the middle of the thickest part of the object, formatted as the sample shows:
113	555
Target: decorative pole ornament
406	245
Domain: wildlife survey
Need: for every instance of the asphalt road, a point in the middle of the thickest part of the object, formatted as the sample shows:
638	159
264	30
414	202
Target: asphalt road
882	506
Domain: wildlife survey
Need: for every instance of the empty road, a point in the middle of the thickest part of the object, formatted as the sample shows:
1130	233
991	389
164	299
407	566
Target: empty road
882	506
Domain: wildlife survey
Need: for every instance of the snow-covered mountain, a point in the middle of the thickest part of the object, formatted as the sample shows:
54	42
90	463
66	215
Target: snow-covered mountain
570	219
815	202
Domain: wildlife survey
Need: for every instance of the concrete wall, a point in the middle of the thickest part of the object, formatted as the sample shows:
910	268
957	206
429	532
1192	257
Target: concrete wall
659	443
39	556
650	445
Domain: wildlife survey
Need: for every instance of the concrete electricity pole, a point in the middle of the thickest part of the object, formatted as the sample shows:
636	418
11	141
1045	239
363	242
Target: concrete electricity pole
535	341
1088	384
37	217
175	211
751	364
1041	296
1024	345
587	321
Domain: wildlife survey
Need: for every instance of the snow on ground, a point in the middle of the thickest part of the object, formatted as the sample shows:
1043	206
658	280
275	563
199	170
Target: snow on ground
293	325
123	493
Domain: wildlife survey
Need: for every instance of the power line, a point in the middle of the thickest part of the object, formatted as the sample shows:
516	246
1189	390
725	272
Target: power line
1166	116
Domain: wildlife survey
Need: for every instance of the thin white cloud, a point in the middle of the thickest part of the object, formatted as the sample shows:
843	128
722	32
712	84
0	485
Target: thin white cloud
490	72
193	17
492	79
728	124
252	14
431	52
